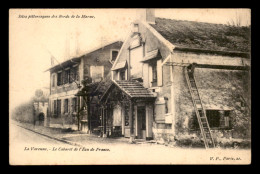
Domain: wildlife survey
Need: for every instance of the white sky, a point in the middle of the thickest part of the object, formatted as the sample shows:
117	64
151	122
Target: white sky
29	39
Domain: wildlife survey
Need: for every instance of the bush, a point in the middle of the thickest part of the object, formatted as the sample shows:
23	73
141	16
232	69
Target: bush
194	141
189	141
233	143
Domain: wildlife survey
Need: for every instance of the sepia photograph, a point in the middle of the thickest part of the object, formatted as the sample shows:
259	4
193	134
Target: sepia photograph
128	86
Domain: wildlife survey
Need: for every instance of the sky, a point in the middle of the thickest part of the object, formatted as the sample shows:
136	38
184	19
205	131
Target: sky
32	41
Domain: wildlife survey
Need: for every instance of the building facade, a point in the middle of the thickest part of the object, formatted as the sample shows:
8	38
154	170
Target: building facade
149	76
66	82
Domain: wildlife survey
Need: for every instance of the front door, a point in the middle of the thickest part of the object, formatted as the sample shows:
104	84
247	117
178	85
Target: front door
141	122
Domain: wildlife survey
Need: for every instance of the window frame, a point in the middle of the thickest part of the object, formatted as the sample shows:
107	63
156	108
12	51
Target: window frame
226	117
111	55
59	78
74	104
66	78
54	108
59	108
66	106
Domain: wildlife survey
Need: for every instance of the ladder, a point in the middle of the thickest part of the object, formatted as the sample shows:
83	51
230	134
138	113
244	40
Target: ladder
200	112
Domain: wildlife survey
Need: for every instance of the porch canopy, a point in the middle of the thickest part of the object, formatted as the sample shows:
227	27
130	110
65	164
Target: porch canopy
152	55
132	89
127	92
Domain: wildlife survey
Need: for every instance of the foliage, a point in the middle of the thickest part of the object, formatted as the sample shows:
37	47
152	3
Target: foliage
233	143
23	112
188	140
241	94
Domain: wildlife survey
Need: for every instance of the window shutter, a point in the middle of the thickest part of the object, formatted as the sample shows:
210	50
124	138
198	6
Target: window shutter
159	73
55	80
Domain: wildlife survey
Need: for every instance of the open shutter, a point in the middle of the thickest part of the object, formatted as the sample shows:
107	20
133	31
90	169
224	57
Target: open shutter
159	73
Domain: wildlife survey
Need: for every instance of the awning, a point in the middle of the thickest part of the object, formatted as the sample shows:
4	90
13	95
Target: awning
155	54
120	65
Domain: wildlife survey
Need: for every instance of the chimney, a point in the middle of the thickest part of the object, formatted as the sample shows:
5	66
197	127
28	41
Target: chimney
146	15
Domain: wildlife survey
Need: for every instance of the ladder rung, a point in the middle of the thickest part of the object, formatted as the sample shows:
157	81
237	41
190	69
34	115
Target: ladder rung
198	106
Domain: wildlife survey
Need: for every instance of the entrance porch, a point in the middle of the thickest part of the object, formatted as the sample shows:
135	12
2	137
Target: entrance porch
127	110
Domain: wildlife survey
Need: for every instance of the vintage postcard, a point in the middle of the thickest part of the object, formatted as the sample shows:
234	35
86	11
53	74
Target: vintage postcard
129	86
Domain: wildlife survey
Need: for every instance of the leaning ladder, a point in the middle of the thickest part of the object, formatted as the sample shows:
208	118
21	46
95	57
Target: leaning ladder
200	112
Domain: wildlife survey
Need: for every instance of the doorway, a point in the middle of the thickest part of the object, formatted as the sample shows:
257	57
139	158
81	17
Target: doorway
141	122
41	119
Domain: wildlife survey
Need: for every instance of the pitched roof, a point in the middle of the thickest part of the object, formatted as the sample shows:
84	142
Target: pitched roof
65	64
120	65
134	89
206	36
77	59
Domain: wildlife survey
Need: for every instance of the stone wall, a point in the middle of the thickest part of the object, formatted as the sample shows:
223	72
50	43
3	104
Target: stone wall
219	90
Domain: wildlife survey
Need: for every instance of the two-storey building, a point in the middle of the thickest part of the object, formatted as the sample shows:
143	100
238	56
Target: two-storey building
65	83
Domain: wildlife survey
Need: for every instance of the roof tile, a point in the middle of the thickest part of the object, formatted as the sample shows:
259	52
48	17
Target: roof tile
134	89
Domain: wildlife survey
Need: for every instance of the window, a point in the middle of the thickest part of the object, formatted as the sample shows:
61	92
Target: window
59	80
74	104
55	107
96	73
217	119
122	75
58	108
66	76
114	54
66	106
154	74
74	74
213	117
